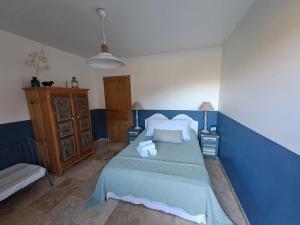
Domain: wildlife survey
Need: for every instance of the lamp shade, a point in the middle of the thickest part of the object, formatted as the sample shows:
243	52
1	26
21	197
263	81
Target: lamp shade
105	60
206	106
137	106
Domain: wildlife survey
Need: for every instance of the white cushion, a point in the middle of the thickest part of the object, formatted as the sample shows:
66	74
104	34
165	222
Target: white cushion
171	136
18	176
165	124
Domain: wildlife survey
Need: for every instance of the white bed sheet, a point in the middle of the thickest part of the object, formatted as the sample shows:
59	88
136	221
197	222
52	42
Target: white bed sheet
159	206
17	177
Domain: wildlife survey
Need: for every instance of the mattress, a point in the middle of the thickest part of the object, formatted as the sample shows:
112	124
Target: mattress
174	181
17	177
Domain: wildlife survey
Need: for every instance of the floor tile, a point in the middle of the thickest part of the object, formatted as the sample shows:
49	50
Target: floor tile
63	203
52	198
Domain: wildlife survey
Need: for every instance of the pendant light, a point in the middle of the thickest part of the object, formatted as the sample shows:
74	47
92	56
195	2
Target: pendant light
104	60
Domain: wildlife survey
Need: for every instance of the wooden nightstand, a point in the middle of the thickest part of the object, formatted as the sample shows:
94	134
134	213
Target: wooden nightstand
209	144
133	133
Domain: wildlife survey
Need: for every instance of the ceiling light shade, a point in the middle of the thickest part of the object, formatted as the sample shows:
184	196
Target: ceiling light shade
104	60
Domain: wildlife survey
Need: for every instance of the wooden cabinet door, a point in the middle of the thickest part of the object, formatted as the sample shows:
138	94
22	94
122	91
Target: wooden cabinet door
62	108
82	113
118	106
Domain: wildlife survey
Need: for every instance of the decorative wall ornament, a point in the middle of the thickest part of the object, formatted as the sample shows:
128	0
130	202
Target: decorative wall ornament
38	61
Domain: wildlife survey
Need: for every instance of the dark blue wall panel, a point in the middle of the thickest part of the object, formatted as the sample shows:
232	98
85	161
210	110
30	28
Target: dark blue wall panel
17	139
196	115
17	144
12	133
265	175
98	119
99	125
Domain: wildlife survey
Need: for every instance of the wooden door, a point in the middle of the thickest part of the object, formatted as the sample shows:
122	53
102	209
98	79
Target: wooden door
82	113
118	106
64	116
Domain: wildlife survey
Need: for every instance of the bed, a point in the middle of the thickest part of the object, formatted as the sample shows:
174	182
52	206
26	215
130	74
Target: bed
174	181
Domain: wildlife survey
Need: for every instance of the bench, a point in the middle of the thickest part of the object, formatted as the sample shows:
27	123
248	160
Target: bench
17	177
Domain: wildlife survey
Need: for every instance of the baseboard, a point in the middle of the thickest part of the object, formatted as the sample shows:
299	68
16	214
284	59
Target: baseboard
234	194
101	139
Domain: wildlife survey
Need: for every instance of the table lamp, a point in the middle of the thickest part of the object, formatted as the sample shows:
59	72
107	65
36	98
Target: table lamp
137	106
205	106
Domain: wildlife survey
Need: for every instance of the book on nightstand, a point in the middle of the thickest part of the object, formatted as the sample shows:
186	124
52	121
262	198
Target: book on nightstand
133	133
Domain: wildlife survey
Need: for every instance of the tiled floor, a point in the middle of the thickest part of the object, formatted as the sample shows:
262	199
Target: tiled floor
62	204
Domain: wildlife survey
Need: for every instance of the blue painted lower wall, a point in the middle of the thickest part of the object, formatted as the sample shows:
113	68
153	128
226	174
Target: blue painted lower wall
14	135
265	175
16	144
98	119
17	139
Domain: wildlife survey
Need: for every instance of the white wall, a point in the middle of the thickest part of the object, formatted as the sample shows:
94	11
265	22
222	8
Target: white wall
178	80
260	78
14	74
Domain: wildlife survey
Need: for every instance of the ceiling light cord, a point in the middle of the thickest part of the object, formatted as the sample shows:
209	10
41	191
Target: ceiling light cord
103	32
104	60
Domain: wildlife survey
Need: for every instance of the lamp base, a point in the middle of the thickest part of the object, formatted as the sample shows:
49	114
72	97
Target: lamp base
205	131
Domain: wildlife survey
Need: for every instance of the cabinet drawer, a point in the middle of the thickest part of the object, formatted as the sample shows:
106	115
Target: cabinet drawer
214	145
209	138
209	153
209	149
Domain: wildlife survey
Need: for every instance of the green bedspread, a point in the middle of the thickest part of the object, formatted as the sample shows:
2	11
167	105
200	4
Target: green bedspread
176	176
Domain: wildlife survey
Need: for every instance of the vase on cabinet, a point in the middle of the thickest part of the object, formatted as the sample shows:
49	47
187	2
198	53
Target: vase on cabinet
35	82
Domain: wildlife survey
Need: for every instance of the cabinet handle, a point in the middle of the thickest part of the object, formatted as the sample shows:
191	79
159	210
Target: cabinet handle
78	117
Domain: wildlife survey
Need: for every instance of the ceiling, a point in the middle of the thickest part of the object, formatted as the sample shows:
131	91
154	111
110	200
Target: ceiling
133	27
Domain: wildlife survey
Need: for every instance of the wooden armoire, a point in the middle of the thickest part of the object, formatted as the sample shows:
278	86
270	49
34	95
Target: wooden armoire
61	124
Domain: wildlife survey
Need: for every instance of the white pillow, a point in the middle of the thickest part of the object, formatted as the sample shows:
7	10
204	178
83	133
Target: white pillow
171	136
165	124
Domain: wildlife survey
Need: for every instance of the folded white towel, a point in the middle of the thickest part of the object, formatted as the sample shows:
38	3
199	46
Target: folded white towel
152	151
148	146
147	150
143	143
142	152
